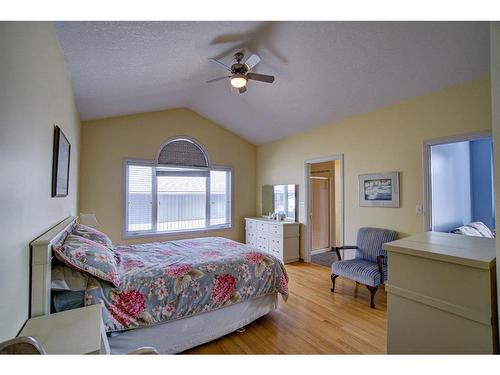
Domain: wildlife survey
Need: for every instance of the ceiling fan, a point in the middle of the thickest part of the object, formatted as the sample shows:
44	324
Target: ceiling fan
241	72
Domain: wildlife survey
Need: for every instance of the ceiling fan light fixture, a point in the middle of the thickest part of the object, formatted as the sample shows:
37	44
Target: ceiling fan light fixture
238	80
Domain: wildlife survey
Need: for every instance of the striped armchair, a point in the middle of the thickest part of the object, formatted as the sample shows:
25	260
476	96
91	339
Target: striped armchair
369	267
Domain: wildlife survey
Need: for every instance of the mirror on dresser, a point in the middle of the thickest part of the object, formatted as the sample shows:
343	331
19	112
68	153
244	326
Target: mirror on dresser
280	198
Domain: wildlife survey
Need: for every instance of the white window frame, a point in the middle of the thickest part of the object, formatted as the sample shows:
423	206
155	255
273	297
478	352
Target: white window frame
427	180
154	210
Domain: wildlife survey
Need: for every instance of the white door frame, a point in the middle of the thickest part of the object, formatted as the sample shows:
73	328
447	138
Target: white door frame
307	173
427	167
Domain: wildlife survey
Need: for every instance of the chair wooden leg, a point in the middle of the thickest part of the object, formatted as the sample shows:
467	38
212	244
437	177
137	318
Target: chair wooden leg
333	277
373	290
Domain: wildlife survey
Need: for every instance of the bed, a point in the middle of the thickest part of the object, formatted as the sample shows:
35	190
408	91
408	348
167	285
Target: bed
170	295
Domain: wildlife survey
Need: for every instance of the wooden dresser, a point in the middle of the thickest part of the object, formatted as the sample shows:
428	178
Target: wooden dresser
278	238
441	295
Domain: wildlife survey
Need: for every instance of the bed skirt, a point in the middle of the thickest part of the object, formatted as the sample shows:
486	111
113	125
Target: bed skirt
183	334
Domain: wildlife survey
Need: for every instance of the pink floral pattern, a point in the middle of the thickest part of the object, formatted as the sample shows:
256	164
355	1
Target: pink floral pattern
167	310
211	253
88	256
178	270
254	257
224	287
172	280
80	253
284	283
130	263
127	306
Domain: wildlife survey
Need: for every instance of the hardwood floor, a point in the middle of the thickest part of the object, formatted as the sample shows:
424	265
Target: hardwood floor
313	320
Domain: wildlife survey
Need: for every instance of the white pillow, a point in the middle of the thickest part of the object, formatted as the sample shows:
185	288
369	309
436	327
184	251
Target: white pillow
476	229
482	228
65	278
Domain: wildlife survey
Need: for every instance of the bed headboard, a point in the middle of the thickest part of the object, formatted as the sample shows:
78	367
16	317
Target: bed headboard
41	261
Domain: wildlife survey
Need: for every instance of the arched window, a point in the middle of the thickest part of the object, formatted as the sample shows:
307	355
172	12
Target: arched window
182	151
179	191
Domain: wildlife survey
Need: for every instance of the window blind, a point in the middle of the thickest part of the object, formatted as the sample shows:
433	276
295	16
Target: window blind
139	198
220	205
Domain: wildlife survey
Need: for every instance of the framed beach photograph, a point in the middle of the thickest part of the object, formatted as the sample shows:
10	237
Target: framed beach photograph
379	190
60	164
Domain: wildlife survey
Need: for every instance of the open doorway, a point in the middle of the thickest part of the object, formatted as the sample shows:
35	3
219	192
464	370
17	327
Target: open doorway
324	192
459	185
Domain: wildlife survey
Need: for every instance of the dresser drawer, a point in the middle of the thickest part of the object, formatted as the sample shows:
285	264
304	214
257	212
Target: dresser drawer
262	243
251	238
275	229
251	226
276	253
290	230
262	227
276	244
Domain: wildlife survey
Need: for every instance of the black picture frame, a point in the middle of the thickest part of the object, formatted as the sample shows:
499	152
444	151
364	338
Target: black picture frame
60	164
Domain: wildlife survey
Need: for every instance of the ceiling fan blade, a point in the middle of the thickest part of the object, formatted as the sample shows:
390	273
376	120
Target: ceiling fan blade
220	63
260	77
229	38
217	79
243	89
252	61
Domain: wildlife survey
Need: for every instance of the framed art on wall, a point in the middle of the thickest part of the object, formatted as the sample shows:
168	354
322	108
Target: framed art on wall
379	190
60	164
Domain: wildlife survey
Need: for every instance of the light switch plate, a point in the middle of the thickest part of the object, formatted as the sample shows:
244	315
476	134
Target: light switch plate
419	209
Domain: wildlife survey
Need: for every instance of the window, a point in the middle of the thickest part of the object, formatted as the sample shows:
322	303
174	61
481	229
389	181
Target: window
171	198
162	201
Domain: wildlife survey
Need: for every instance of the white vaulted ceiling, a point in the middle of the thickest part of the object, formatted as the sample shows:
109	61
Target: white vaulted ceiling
325	71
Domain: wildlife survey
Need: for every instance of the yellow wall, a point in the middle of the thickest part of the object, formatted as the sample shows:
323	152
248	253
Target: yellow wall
388	139
35	94
108	142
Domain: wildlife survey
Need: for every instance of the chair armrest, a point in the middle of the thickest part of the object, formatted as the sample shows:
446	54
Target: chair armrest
338	248
144	350
380	269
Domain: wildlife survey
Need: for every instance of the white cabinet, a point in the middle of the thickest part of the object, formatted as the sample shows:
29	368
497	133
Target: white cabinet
77	331
278	238
441	295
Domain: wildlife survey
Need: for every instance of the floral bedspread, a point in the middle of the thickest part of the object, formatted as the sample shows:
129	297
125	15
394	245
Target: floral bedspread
165	281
